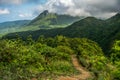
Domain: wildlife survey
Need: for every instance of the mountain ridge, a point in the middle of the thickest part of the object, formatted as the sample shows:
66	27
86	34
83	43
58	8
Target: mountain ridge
103	32
46	19
15	23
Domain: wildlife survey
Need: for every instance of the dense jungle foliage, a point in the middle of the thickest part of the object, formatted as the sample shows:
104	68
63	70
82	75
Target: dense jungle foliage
48	58
25	55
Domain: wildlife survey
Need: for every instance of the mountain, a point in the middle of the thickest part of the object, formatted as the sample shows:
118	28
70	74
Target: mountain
113	31
52	56
12	26
45	20
103	32
89	27
53	20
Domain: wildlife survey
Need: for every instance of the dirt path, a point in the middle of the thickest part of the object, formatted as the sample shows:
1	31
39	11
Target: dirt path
84	73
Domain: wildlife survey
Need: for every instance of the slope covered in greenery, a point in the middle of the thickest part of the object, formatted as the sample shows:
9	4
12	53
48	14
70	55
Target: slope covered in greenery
52	20
103	32
48	58
12	26
115	59
45	20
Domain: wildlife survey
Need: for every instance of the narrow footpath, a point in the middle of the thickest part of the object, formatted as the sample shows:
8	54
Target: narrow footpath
84	74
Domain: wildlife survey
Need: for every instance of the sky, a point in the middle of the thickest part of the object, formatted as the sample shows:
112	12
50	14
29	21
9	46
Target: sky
11	10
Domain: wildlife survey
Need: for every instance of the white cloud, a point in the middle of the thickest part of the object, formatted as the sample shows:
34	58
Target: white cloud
25	15
21	15
106	15
4	11
97	8
77	12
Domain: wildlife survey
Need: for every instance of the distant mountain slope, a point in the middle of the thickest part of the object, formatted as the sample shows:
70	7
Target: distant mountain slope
53	20
86	28
10	24
89	27
113	30
45	20
102	31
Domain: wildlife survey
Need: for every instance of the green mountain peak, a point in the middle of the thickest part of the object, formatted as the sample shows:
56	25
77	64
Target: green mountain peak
47	19
44	14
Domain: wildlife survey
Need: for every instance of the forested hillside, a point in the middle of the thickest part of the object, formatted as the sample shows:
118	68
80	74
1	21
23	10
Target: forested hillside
103	32
59	39
42	54
49	58
44	20
115	59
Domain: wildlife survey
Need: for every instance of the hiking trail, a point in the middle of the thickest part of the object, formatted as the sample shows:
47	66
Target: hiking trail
84	74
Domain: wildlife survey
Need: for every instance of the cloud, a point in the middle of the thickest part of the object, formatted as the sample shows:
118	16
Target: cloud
18	2
4	11
25	15
97	8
